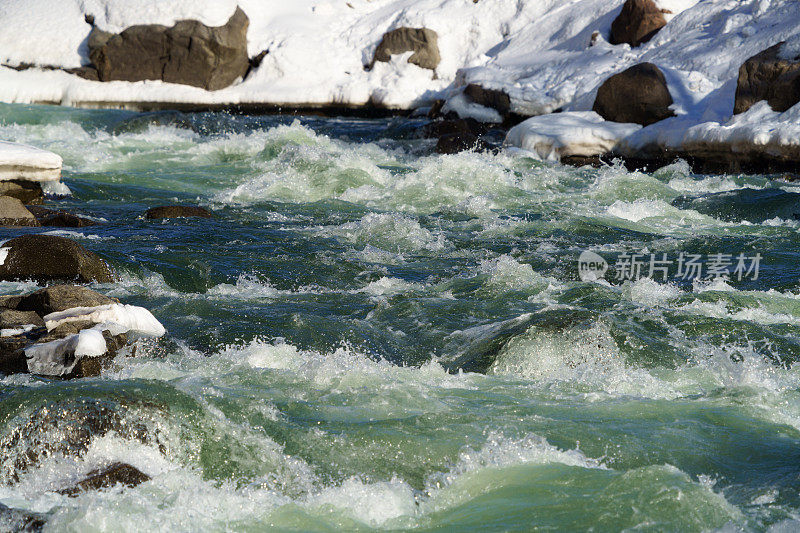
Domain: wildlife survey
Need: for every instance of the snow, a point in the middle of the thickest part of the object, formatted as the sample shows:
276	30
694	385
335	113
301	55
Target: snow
577	133
19	161
116	318
540	52
4	255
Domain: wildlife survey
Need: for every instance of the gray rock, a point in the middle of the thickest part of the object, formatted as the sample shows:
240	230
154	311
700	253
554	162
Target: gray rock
638	95
765	76
13	213
189	53
422	41
10	318
637	23
46	258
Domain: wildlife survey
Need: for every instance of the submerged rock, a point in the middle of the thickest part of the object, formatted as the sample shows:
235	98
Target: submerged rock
177	211
767	76
61	219
422	41
114	474
45	258
637	23
637	95
752	205
13	213
19	521
189	53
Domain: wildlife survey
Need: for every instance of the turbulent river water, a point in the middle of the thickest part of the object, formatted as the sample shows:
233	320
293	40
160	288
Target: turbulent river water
369	335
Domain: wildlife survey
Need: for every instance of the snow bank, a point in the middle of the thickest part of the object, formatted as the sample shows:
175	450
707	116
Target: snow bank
542	53
115	318
19	161
578	133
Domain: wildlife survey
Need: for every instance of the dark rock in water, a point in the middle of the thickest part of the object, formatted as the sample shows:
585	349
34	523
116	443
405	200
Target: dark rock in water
422	41
459	126
765	76
452	143
45	258
177	211
116	473
637	23
60	298
188	53
64	427
61	219
19	521
12	354
13	213
10	318
638	95
142	121
752	205
497	100
27	192
483	351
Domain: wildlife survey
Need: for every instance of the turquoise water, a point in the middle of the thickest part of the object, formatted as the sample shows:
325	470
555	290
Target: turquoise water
372	336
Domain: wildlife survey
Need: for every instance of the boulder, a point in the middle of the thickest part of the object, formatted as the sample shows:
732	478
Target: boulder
189	53
497	100
60	298
637	23
177	211
13	213
45	258
637	95
27	192
767	76
114	474
422	41
61	219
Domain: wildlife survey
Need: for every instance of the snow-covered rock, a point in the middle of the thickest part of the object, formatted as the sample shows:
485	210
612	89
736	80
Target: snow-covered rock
22	162
578	133
116	318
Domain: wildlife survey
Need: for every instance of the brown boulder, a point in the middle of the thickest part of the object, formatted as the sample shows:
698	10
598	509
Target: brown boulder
13	213
27	192
188	53
638	95
177	211
114	474
45	258
637	23
422	41
11	318
497	100
765	76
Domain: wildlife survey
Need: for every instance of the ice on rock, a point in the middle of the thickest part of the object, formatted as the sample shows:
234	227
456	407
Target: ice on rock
20	161
115	318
